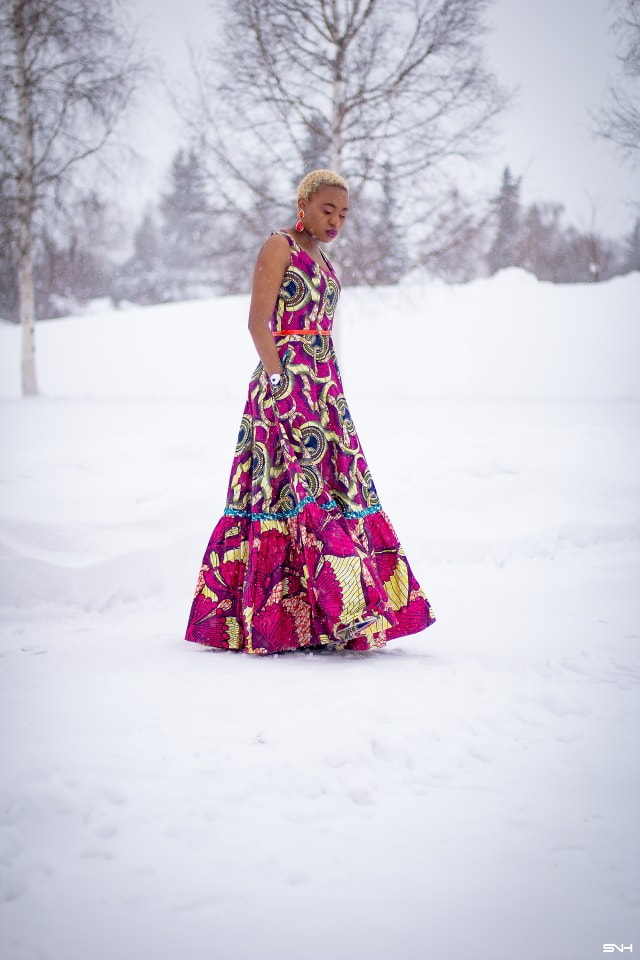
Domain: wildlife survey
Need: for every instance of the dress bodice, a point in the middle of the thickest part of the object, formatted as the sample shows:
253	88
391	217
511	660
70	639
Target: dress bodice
308	294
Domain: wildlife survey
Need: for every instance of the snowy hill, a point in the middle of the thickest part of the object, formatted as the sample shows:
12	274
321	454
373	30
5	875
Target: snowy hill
466	793
507	336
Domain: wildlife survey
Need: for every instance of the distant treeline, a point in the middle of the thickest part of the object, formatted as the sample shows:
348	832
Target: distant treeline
175	256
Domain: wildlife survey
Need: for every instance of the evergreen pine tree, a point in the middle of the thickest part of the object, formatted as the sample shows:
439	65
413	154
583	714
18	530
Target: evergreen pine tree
147	245
393	260
375	252
543	241
632	258
72	263
142	279
504	251
187	228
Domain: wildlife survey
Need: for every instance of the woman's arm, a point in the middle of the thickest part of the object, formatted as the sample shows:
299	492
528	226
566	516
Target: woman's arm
271	264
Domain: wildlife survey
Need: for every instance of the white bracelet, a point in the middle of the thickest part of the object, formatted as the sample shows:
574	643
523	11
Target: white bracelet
275	379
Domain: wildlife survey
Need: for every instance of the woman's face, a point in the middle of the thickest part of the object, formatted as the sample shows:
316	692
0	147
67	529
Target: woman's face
325	212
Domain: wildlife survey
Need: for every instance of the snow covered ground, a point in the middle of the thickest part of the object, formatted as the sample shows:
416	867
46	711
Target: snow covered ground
467	793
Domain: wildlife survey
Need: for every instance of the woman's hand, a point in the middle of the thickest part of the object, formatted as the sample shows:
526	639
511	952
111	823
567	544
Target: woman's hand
280	383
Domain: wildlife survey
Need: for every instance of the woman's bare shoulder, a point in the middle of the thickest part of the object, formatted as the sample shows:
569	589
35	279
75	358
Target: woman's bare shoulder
272	261
276	245
274	253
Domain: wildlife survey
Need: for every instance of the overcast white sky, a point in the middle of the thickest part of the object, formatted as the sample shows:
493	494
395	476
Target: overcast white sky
559	53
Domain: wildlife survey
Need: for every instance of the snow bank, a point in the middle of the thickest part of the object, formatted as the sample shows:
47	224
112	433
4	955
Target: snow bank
509	336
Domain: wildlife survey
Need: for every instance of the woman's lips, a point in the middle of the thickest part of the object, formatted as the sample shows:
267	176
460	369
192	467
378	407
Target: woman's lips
332	233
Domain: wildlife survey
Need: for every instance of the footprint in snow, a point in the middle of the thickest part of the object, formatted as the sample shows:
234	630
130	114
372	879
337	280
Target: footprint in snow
295	878
113	796
96	853
13	891
106	831
361	797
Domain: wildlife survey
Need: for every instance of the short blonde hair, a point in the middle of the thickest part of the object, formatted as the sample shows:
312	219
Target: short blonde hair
316	179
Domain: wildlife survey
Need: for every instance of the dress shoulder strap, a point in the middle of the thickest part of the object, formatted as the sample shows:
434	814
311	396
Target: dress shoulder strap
328	262
283	233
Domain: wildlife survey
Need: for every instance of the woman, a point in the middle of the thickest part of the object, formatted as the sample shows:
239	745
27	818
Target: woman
303	556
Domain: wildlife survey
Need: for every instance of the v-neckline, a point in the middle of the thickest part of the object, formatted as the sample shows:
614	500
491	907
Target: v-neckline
327	273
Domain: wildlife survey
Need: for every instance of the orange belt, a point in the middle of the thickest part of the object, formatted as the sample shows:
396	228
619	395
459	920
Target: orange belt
303	333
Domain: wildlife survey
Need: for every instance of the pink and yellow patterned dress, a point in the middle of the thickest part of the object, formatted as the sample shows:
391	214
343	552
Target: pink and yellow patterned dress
303	556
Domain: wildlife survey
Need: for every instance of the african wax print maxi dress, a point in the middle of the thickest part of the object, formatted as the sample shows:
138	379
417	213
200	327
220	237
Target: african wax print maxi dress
304	556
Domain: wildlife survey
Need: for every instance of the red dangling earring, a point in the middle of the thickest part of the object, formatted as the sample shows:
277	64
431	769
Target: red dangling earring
300	224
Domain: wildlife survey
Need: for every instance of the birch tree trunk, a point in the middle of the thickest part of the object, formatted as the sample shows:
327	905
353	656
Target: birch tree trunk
335	158
68	70
26	197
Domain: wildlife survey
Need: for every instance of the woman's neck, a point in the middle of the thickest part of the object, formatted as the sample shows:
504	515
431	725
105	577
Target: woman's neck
308	241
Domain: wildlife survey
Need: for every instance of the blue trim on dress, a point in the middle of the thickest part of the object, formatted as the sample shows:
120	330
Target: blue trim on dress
286	514
356	514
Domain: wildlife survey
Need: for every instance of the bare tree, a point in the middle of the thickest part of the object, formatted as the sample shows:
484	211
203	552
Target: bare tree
619	118
67	72
377	90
